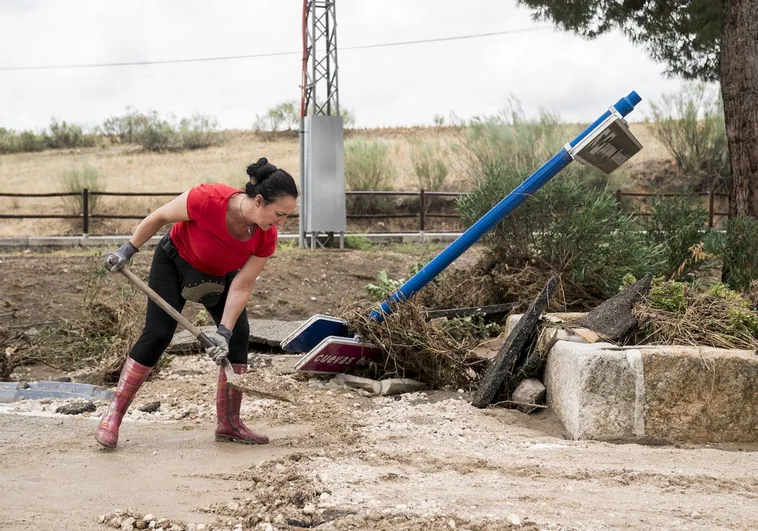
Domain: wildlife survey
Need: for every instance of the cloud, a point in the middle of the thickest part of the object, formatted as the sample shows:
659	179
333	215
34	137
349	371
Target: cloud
391	86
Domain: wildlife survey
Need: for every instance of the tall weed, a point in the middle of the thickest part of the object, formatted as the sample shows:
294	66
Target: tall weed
76	180
678	225
740	253
431	163
690	124
368	166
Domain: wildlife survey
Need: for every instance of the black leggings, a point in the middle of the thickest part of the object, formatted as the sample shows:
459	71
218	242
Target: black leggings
166	279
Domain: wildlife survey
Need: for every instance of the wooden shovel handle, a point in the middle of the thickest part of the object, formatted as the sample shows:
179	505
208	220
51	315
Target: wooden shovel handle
166	307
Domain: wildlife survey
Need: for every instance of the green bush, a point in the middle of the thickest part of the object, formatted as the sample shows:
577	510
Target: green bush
678	225
158	135
368	166
282	117
568	226
125	129
64	135
199	131
28	142
690	125
740	253
76	180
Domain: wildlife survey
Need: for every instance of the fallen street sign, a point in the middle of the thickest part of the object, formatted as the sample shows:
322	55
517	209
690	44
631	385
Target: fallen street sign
608	146
336	355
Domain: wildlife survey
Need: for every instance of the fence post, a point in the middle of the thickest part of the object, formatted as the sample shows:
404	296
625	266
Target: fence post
85	213
422	206
711	197
618	198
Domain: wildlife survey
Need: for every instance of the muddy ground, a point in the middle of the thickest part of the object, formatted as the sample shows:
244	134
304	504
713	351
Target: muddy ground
338	459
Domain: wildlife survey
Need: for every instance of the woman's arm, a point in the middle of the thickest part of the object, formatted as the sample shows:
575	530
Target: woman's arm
173	211
239	291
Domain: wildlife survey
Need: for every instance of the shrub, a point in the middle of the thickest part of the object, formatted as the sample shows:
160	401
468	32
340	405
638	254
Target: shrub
368	166
430	159
691	127
199	131
510	139
159	135
568	226
76	180
677	225
740	253
27	142
284	116
64	135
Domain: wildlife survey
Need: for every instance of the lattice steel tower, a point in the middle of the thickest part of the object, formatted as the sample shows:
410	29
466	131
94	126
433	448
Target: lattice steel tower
322	159
320	71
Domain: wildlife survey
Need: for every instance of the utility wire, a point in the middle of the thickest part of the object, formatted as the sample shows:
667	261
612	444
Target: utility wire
272	54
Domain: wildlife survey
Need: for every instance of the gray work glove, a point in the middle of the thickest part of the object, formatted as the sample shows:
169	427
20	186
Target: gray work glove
220	350
115	261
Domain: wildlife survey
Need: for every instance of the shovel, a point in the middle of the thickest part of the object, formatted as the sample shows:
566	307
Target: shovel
231	378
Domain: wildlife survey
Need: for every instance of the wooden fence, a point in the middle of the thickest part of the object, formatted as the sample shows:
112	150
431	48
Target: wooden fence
423	198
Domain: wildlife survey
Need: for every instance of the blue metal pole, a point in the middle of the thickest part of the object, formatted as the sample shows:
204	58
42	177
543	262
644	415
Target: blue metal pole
499	212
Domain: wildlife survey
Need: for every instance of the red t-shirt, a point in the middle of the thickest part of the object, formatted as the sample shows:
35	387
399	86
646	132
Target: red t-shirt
205	242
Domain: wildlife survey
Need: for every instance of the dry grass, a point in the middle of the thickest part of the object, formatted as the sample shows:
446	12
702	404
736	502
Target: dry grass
130	169
715	317
438	353
99	341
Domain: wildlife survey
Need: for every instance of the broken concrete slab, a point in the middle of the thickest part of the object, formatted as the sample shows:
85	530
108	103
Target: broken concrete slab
664	393
613	319
15	391
528	394
281	363
356	382
396	386
269	332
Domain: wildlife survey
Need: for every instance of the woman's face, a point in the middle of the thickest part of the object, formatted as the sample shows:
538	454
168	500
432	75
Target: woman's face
272	214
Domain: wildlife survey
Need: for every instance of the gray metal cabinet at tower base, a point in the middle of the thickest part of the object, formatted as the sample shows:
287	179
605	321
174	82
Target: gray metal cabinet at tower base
324	175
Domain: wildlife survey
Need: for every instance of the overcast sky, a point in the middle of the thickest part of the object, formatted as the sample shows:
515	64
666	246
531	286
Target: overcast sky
391	86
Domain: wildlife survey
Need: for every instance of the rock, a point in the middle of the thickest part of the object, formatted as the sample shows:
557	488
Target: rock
200	527
309	509
76	408
660	393
395	386
191	527
513	519
148	518
325	497
280	520
233	506
140	524
152	407
101	519
613	319
356	382
128	524
529	393
451	524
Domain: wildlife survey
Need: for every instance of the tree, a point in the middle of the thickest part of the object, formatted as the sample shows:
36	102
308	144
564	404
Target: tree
710	40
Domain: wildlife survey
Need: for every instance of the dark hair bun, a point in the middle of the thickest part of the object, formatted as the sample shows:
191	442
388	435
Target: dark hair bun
259	171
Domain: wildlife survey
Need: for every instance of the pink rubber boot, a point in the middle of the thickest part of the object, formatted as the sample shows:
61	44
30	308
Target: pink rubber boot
228	402
132	377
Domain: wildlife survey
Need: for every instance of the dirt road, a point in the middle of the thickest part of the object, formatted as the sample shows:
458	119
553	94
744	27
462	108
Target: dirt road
410	462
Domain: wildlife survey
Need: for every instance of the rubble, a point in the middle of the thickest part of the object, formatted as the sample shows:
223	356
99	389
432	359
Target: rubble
528	395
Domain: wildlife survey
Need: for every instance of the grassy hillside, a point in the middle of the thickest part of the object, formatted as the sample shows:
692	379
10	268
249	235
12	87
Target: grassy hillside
131	169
